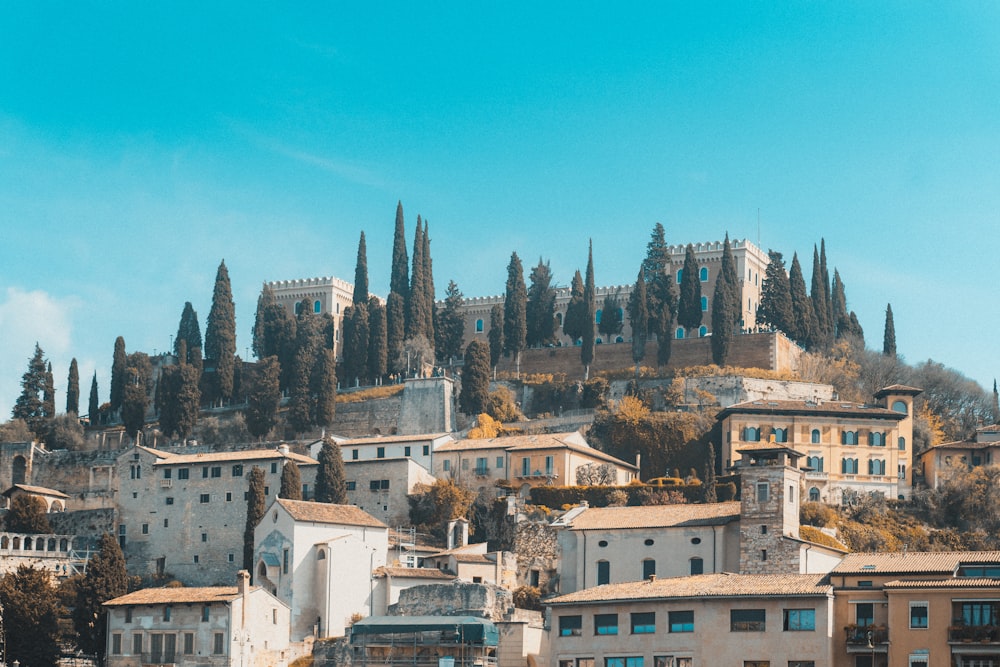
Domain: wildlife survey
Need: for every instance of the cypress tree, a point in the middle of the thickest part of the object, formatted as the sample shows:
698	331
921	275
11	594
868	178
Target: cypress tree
356	340
180	398
188	331
331	485
996	403
275	334
307	346
255	512
399	287
689	307
855	331
138	385
30	405
638	316
429	296
515	324
415	316
220	334
660	293
889	336
839	301
450	329
263	396
291	481
818	294
258	335
540	312
73	388
361	273
803	318
575	319
106	578
475	395
831	320
589	300
722	321
776	298
94	404
708	488
496	334
323	385
377	348
49	394
118	375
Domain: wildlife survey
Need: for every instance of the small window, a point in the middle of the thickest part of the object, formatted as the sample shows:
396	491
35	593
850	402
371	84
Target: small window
380	453
216	471
183	473
746	620
188	643
643	623
703	274
166	473
406	450
196	559
351	485
169	500
229	496
285	557
796	620
570	626
704	304
648	568
649	542
697	565
205	613
680	276
238	470
274	467
204	472
317	307
166	523
232	558
918	615
603	572
354	455
679	333
145	529
137	644
899	406
218	643
814	438
814	494
763	492
166	612
781	435
205	498
204	537
702	331
605	624
427	450
321	555
479	326
901	443
116	644
499	465
446	466
128	614
681	621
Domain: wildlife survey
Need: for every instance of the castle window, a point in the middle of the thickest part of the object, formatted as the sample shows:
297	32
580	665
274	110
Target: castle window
703	274
479	326
298	307
702	331
317	307
679	334
170	500
680	276
815	436
559	319
597	318
704	304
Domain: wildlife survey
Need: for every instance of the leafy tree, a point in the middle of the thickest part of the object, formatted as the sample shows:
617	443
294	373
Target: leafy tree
118	367
432	506
775	306
496	334
575	320
399	288
804	326
139	385
450	327
819	293
255	512
188	331
889	335
331	485
661	293
27	515
638	316
416	318
474	396
689	307
73	388
611	323
15	430
105	579
31	617
323	385
291	481
540	313
93	404
263	396
589	297
514	310
220	335
180	398
378	360
65	432
30	405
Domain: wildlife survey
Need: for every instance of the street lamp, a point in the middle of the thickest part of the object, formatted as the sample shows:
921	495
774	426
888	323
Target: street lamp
871	645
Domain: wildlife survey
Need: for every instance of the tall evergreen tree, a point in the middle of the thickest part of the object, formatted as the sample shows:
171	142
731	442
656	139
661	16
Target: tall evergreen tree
138	387
323	385
818	294
188	331
638	316
308	341
689	307
31	617
804	325
49	394
331	485
515	324
430	297
263	396
776	297
996	403
709	494
256	506
575	319
475	393
839	304
889	335
612	322
118	375
399	287
356	339
450	328
274	334
726	306
377	349
94	403
540	313
105	579
660	293
220	335
590	303
73	389
416	318
827	289
180	398
361	273
30	405
496	334
291	481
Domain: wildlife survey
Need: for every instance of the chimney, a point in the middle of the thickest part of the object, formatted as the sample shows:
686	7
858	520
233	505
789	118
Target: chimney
283	449
242	582
652	578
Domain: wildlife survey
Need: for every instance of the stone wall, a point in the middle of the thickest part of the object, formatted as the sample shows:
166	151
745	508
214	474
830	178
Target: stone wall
87	525
454	599
537	548
356	420
427	406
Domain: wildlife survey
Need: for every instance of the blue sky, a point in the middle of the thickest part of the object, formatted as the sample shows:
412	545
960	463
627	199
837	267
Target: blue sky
142	143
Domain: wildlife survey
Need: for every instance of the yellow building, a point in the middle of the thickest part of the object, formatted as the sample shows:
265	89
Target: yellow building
849	448
936	463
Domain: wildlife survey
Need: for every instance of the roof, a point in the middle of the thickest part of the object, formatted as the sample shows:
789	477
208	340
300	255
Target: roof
656	516
178	595
413	573
472	629
810	407
37	490
719	585
961	445
521	443
898	389
166	458
913	562
389	439
349	515
962	582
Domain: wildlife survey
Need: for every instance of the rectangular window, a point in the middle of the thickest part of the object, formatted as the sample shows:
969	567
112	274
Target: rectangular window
156	647
145	529
354	455
166	612
197	559
550	465
584	662
183	473
116	644
746	620
204	472
229	497
481	467
373	485
188	643
218	641
351	485
756	663
799	619
603	572
406	450
267	491
763	492
643	623
232	558
204	537
864	614
170	500
427	450
238	470
681	621
801	663
380	452
205	498
570	626
166	523
918	615
384	484
205	611
446	466
525	466
216	471
605	624
499	463
137	644
167	472
629	661
274	467
284	561
465	464
128	614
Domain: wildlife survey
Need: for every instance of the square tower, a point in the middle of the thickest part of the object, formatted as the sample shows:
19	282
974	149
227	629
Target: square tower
769	509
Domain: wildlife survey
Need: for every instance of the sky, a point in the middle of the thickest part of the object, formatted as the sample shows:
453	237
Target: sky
141	144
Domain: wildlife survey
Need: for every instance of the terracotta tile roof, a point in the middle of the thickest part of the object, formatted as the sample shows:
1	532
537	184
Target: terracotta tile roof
178	595
818	408
656	516
413	573
898	389
348	515
482	559
720	585
37	490
962	444
913	562
541	441
961	582
167	458
389	439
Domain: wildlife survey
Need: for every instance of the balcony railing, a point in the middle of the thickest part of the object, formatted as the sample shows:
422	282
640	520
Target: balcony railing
866	638
481	471
986	634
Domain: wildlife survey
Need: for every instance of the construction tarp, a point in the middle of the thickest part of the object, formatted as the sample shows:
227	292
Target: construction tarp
467	629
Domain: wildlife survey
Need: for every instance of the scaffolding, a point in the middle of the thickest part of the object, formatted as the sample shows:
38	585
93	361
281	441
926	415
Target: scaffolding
425	641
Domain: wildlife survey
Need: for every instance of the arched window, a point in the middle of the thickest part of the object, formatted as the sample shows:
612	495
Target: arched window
702	331
814	494
298	307
64	544
680	275
849	466
899	406
559	318
598	340
849	437
597	317
679	333
17	543
781	435
52	544
648	568
815	436
703	274
901	443
751	434
697	566
27	544
621	314
876	467
479	326
815	462
619	339
262	569
876	439
4	542
317	307
321	555
704	304
603	572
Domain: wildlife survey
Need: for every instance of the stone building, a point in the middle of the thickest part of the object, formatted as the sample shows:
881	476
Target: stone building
55	501
326	295
939	461
382	487
184	515
55	553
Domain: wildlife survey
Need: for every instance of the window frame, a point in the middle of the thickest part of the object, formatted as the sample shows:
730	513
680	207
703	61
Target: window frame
681	620
605	625
570	625
919	604
643	622
798	620
748	620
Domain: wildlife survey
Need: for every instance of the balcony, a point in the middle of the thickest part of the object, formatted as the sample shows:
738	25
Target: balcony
481	471
817	475
867	639
965	634
166	483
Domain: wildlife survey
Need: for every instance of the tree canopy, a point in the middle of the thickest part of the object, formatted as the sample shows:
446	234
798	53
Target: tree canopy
31	615
30	405
689	312
541	305
331	484
105	579
475	393
220	335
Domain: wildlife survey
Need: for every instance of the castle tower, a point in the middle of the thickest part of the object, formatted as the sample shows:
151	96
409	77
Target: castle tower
769	509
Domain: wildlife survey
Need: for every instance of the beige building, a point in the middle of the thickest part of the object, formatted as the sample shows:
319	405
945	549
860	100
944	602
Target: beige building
708	619
937	462
325	295
55	501
382	487
849	448
420	448
184	515
222	626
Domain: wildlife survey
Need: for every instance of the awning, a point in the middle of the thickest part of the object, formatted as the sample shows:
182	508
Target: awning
470	629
